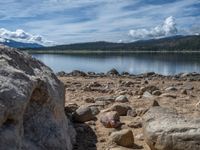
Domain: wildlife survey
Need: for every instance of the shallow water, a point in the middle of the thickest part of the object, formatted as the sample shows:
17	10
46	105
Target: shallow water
162	63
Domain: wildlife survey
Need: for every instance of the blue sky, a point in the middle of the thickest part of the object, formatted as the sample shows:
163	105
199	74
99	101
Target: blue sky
71	21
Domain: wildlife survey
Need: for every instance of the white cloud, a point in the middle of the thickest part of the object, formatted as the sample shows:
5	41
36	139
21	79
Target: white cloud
22	36
168	28
110	20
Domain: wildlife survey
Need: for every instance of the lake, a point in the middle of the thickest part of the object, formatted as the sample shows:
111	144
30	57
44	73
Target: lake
135	63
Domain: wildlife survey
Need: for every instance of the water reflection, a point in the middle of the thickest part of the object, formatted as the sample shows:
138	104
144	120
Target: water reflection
133	63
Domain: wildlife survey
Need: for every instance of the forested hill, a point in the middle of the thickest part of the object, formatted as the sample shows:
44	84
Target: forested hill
176	43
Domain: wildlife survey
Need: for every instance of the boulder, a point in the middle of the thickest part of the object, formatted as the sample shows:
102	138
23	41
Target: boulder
31	105
123	138
164	129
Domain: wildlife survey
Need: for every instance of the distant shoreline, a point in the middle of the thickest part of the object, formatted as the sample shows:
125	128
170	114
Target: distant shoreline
101	52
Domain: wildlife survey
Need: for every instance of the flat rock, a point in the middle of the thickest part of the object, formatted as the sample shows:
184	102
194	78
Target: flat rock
164	129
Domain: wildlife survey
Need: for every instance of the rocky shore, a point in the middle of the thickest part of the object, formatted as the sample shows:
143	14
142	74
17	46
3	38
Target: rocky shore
95	111
115	111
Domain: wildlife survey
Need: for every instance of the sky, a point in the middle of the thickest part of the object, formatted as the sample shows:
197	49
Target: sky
51	22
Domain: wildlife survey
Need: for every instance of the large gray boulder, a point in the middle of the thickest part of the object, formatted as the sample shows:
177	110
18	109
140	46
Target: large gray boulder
31	105
164	129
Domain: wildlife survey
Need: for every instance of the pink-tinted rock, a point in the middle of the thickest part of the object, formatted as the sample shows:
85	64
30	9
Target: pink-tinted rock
110	119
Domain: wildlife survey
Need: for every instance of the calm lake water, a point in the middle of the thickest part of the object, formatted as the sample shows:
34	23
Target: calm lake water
162	63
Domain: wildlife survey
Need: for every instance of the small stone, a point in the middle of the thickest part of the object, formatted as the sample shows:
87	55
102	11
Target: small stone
70	108
89	100
102	140
188	87
146	82
171	89
184	91
83	114
147	95
92	123
121	109
135	125
105	98
128	84
155	103
78	73
113	72
131	113
102	103
168	95
121	99
157	93
61	74
140	137
110	119
141	111
95	110
149	89
122	93
123	138
125	74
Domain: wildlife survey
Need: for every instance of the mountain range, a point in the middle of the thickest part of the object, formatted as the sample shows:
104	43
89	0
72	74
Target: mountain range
16	44
174	43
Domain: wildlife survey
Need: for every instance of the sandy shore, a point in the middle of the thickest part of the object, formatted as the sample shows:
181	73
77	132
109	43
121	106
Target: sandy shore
181	92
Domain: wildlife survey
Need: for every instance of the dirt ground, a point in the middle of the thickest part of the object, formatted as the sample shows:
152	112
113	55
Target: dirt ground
180	94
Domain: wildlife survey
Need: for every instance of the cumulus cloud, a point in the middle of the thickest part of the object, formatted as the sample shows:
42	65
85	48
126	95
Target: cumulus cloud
168	28
22	36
